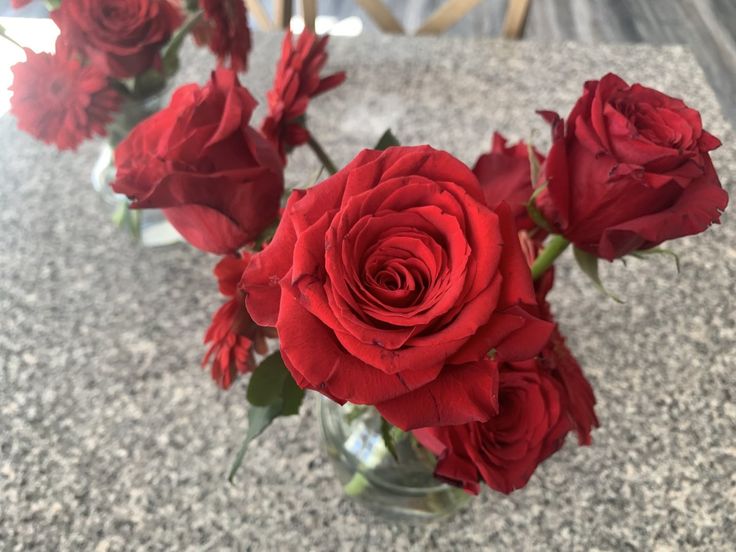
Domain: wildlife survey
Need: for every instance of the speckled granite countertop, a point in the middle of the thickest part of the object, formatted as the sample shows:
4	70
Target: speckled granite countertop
112	438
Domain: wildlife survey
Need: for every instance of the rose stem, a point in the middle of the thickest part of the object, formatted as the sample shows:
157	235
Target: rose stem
546	258
6	37
356	485
321	155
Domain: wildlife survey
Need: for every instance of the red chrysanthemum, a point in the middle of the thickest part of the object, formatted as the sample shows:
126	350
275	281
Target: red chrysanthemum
58	101
225	31
232	335
296	82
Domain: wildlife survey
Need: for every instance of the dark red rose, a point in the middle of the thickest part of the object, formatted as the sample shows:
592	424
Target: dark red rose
19	3
629	170
504	451
504	174
297	81
232	335
391	281
60	102
225	30
540	402
122	37
218	181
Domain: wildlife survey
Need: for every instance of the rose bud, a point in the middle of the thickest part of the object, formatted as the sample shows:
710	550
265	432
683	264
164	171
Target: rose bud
628	170
217	180
391	281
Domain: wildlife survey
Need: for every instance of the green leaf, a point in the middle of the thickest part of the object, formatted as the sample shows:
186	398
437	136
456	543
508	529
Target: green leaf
386	141
644	253
267	381
589	264
272	392
292	395
259	418
388	438
147	84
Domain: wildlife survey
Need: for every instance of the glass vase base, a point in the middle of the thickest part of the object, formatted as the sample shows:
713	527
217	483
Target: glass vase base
398	485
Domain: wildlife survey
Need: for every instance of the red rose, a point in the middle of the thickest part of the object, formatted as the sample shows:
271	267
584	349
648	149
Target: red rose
504	451
225	30
218	181
20	3
540	401
60	102
297	81
391	281
122	37
504	174
629	170
232	335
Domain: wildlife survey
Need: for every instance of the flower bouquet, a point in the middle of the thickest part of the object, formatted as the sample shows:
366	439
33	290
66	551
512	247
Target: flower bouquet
409	289
110	70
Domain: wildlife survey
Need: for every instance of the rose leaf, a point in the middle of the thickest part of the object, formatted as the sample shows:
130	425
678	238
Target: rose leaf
386	141
589	264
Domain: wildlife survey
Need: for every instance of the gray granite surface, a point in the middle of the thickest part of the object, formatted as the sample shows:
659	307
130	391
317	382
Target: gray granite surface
112	438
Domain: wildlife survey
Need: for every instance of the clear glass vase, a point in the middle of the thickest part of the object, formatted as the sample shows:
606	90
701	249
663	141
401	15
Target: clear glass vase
149	226
400	487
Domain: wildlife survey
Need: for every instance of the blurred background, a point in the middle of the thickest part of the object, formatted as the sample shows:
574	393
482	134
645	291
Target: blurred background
708	27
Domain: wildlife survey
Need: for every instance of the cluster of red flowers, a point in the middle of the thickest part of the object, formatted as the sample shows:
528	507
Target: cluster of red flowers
67	97
408	271
219	181
416	278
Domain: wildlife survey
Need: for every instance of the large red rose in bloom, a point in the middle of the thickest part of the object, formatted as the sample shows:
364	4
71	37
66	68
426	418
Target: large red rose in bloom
504	174
297	81
629	170
218	181
225	30
232	336
391	281
122	37
60	102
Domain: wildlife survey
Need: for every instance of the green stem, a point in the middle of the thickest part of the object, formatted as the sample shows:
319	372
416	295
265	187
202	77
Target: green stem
356	485
554	248
321	155
6	37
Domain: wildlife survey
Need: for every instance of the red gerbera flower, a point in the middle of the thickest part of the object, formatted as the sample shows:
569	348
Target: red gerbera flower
225	30
58	101
297	81
232	334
